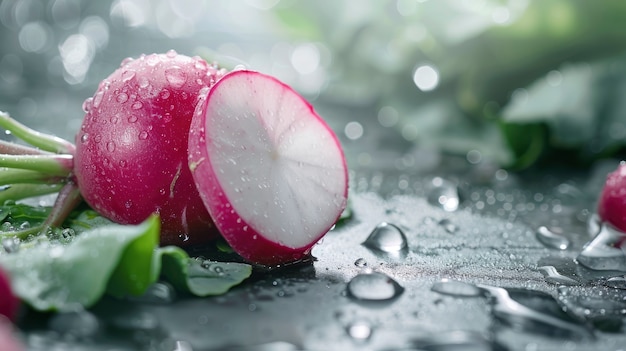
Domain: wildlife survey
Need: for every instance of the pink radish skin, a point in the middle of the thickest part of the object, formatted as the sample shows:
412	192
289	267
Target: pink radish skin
270	171
131	151
8	339
612	203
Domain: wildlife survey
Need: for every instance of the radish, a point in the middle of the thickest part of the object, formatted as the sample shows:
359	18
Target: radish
9	303
131	151
612	202
270	171
240	153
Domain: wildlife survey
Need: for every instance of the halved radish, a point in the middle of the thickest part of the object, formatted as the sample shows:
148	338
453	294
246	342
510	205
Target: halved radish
270	171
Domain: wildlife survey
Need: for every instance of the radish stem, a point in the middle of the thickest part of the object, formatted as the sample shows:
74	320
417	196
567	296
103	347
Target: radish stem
21	176
69	197
16	192
9	148
43	141
59	165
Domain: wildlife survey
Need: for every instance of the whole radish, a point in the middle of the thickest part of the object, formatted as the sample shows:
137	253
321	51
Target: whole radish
270	171
131	150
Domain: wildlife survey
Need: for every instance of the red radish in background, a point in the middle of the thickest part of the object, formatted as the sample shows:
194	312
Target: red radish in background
612	202
131	151
8	340
270	171
9	303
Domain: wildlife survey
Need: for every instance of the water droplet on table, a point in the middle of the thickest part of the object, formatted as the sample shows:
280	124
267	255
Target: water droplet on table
553	276
605	251
374	287
444	194
359	330
456	288
360	262
552	239
616	282
448	226
386	237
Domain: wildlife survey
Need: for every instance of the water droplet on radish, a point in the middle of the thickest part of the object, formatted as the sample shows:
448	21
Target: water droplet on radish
152	60
184	237
97	99
551	239
374	286
111	146
115	119
121	98
84	138
136	106
143	135
176	76
171	53
122	163
126	61
165	94
143	82
128	75
132	119
87	104
386	237
98	138
456	288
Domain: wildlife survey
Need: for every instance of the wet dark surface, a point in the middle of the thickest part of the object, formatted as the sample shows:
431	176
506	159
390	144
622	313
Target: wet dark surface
472	257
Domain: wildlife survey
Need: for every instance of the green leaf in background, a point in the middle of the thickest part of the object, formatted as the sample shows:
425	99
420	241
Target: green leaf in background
200	277
527	141
53	276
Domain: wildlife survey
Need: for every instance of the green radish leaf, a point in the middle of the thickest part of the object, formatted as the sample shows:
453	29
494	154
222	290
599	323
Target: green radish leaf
200	277
56	276
135	270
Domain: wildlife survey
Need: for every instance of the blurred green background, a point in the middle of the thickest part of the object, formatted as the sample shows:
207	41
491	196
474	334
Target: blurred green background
516	83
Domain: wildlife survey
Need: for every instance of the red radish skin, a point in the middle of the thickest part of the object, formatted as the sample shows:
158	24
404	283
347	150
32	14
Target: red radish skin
9	303
131	151
612	203
270	171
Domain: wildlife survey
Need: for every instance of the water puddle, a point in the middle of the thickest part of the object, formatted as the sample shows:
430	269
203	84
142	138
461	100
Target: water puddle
521	309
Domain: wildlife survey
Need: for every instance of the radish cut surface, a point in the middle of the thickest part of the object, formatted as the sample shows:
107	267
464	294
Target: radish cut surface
270	171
